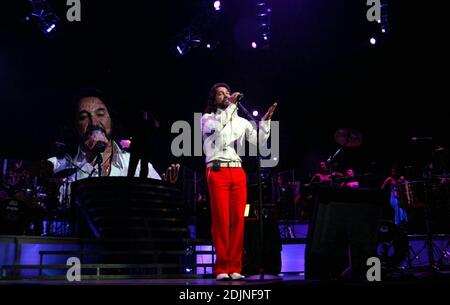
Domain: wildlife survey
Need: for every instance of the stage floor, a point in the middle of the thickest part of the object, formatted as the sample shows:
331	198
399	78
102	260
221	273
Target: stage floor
411	277
285	279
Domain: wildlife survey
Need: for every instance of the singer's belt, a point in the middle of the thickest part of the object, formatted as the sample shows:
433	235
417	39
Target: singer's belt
225	164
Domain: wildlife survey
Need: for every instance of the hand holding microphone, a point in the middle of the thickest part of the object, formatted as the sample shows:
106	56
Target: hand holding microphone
236	97
96	139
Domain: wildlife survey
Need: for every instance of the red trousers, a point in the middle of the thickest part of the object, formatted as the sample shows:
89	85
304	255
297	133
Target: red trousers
228	196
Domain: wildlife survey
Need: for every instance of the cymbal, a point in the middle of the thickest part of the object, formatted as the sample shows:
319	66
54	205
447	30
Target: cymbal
65	173
348	137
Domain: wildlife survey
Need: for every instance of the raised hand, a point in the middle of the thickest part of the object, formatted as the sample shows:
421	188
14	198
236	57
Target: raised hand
269	112
171	174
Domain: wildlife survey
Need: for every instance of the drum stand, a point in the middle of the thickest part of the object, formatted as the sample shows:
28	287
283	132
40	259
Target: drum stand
432	249
429	245
63	230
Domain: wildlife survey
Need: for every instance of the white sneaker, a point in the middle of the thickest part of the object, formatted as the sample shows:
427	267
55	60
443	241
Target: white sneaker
236	276
222	277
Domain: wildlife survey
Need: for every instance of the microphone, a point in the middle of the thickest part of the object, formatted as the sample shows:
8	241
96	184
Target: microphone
240	97
99	146
421	139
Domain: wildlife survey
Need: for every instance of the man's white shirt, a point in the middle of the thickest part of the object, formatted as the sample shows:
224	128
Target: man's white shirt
221	130
119	165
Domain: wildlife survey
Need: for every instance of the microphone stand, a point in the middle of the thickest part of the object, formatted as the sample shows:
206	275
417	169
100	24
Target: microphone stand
99	161
99	149
330	165
261	276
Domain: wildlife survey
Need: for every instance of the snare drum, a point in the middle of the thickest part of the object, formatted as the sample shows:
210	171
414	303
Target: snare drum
392	244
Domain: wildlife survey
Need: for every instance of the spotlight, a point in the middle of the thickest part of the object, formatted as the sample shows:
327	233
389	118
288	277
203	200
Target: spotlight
263	16
208	46
255	113
43	14
50	28
254	46
180	50
125	143
383	30
217	5
373	41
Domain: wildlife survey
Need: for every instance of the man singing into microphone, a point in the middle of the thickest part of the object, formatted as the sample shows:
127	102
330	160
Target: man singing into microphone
227	184
94	131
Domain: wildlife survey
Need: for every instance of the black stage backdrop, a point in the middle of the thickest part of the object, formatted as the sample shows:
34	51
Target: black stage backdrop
320	68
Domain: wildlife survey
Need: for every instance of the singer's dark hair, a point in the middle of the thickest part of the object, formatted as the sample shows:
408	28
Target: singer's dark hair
88	92
93	92
211	106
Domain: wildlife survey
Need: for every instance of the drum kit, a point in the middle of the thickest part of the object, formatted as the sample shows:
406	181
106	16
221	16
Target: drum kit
30	200
428	191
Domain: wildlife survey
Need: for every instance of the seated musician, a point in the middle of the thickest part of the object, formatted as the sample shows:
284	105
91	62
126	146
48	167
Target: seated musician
324	174
349	182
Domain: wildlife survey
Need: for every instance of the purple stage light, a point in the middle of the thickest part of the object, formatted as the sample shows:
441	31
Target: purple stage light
208	45
254	45
373	41
255	113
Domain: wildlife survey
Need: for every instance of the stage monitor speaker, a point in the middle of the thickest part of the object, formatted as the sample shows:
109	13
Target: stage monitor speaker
342	232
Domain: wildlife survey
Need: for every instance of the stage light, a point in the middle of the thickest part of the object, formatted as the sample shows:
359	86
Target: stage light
208	46
255	113
254	45
383	30
263	16
42	13
50	28
373	41
217	5
125	143
180	50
